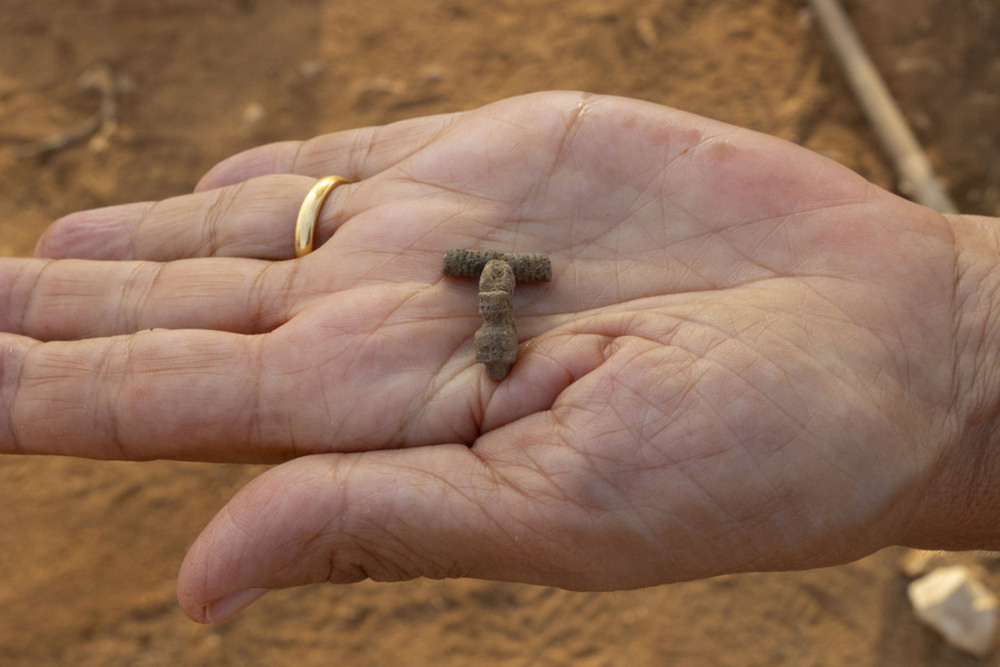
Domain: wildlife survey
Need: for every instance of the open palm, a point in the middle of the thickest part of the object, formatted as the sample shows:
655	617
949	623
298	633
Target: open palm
743	361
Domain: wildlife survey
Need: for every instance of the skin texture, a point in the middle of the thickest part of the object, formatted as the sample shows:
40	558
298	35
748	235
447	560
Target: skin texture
749	358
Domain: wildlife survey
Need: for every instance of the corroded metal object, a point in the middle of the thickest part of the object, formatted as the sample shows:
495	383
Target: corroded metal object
496	340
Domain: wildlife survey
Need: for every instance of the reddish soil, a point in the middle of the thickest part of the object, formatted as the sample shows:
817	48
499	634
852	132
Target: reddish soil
89	550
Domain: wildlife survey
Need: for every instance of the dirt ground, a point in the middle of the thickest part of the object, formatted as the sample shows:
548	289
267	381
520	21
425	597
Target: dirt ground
89	550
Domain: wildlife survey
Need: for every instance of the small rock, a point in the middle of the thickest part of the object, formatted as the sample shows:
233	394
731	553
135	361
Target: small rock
253	113
805	20
645	28
918	562
953	602
432	74
125	84
369	93
311	69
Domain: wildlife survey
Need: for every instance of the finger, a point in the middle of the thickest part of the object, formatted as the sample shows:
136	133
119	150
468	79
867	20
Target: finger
352	154
372	374
72	299
255	219
198	395
431	512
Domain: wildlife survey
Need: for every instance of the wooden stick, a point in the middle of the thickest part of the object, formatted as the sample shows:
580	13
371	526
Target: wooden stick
914	171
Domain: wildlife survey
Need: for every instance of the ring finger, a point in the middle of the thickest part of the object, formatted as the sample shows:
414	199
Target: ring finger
254	219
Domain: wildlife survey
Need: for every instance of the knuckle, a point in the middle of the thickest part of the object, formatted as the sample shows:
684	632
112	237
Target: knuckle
219	211
374	562
11	363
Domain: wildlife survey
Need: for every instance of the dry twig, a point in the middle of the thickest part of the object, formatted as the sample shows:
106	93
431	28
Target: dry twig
98	128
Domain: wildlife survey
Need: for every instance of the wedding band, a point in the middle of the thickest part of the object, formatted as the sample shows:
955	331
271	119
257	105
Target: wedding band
305	224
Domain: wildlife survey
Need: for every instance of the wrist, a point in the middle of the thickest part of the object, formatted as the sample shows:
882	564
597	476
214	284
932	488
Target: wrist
959	507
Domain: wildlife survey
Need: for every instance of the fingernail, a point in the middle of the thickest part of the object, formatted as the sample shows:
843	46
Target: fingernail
226	607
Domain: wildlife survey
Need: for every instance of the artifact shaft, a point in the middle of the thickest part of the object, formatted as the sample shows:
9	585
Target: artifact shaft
496	340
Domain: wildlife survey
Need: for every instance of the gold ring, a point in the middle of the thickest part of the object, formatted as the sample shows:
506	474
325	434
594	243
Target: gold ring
305	224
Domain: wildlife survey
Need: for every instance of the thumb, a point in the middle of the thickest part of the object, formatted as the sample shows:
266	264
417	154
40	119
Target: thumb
387	515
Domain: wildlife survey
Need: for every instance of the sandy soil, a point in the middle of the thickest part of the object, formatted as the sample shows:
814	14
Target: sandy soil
89	551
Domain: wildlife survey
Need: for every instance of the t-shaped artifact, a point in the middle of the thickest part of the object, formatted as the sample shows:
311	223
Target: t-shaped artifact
496	340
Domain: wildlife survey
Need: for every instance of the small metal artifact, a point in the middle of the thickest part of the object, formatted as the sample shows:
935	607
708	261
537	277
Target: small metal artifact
496	340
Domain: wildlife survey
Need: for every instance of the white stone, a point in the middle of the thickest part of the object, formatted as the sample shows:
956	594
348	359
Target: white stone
952	601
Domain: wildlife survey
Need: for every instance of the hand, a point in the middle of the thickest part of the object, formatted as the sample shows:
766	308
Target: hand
749	358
